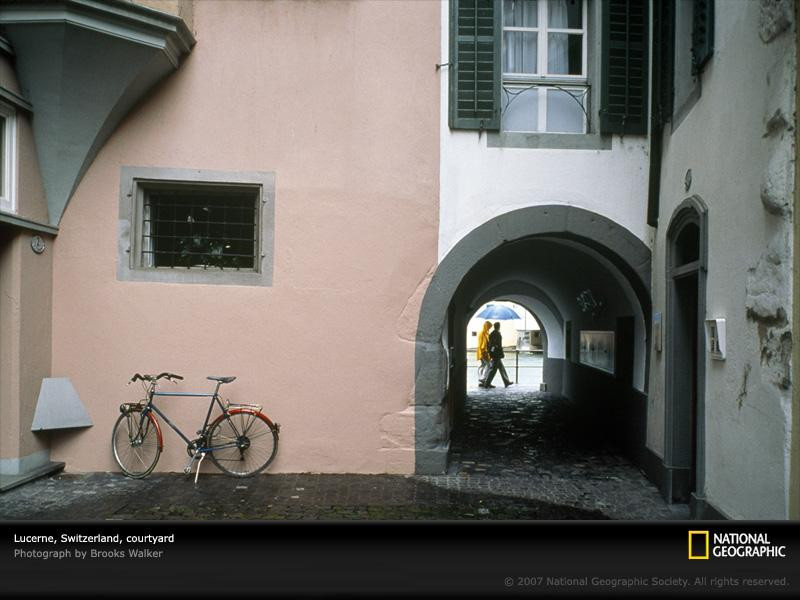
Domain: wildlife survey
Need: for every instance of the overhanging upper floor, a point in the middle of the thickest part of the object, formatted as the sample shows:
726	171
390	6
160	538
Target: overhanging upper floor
83	64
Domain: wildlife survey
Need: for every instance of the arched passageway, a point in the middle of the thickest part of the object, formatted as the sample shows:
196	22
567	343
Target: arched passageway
524	340
587	279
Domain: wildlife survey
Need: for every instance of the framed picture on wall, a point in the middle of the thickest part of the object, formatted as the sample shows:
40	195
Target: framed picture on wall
597	350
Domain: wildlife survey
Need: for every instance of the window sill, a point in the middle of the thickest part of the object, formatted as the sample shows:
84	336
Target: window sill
15	100
197	276
11	218
554	141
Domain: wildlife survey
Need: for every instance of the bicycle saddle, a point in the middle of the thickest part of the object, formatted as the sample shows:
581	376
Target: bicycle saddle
221	379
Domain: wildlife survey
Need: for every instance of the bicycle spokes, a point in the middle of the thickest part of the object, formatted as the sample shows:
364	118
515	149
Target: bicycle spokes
135	443
243	443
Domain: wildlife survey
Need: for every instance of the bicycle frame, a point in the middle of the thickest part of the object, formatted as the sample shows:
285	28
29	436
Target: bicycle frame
152	393
228	438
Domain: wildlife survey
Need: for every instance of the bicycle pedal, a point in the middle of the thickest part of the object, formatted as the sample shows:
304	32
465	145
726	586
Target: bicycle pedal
187	470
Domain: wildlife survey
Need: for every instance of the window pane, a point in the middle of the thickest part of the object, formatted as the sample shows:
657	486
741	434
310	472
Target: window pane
564	112
519	52
520	109
520	13
565	14
200	229
565	54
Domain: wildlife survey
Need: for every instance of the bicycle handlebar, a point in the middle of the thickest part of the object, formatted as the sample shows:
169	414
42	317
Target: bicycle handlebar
145	377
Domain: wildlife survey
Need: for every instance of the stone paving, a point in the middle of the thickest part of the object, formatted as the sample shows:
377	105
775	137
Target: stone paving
519	442
519	454
170	496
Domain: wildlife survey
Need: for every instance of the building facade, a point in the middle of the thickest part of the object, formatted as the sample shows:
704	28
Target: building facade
317	197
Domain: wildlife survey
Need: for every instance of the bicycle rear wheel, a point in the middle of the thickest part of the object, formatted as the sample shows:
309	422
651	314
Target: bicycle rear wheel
136	443
244	442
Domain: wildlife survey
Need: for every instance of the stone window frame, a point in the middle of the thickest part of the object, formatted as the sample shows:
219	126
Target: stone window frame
133	183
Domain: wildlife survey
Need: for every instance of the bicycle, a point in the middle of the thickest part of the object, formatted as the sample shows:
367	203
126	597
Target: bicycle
242	441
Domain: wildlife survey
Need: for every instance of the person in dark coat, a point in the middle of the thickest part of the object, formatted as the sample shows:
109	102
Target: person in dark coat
497	354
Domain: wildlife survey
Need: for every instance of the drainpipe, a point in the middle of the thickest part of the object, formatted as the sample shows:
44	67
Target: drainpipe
656	122
654	185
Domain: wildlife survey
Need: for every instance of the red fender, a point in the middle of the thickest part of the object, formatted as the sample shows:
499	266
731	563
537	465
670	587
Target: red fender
154	421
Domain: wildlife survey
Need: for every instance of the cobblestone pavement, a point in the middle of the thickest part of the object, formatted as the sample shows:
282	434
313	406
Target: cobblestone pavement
522	443
520	455
170	496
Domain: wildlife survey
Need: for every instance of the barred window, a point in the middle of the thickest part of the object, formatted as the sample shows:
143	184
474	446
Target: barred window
196	226
200	227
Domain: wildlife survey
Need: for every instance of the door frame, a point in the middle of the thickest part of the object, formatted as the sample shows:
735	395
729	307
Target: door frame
691	211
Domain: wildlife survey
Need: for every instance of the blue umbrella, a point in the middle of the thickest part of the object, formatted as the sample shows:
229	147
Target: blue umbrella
497	312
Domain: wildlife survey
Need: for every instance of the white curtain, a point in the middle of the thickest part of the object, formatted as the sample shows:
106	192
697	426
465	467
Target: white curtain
519	48
557	57
520	52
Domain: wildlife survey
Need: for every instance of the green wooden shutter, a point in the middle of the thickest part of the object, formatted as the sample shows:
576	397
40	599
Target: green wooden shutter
702	33
475	39
623	87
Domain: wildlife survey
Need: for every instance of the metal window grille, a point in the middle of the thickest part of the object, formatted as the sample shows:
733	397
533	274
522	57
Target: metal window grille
200	229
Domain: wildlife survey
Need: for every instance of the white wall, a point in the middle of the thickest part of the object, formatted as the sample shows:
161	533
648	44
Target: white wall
724	141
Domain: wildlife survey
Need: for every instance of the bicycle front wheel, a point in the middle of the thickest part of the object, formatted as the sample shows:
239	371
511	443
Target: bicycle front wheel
136	443
243	442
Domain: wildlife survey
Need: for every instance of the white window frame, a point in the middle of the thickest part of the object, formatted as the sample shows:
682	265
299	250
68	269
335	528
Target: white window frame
544	81
8	189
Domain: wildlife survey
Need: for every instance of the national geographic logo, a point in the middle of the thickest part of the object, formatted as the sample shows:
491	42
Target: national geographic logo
702	545
698	545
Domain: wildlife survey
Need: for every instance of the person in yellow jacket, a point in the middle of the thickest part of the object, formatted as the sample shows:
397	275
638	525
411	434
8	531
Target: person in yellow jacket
482	354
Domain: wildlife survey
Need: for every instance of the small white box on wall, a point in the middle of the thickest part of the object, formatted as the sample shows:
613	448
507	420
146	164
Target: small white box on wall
715	338
657	331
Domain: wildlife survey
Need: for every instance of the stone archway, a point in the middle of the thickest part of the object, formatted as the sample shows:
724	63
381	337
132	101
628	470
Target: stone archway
628	255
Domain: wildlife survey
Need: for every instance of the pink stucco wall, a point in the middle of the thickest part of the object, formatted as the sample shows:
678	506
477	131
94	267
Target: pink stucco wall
340	100
25	300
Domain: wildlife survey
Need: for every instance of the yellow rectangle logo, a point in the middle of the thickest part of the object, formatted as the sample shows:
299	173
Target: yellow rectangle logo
697	534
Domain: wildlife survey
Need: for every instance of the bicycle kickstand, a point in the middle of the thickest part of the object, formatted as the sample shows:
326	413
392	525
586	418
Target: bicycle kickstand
199	462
